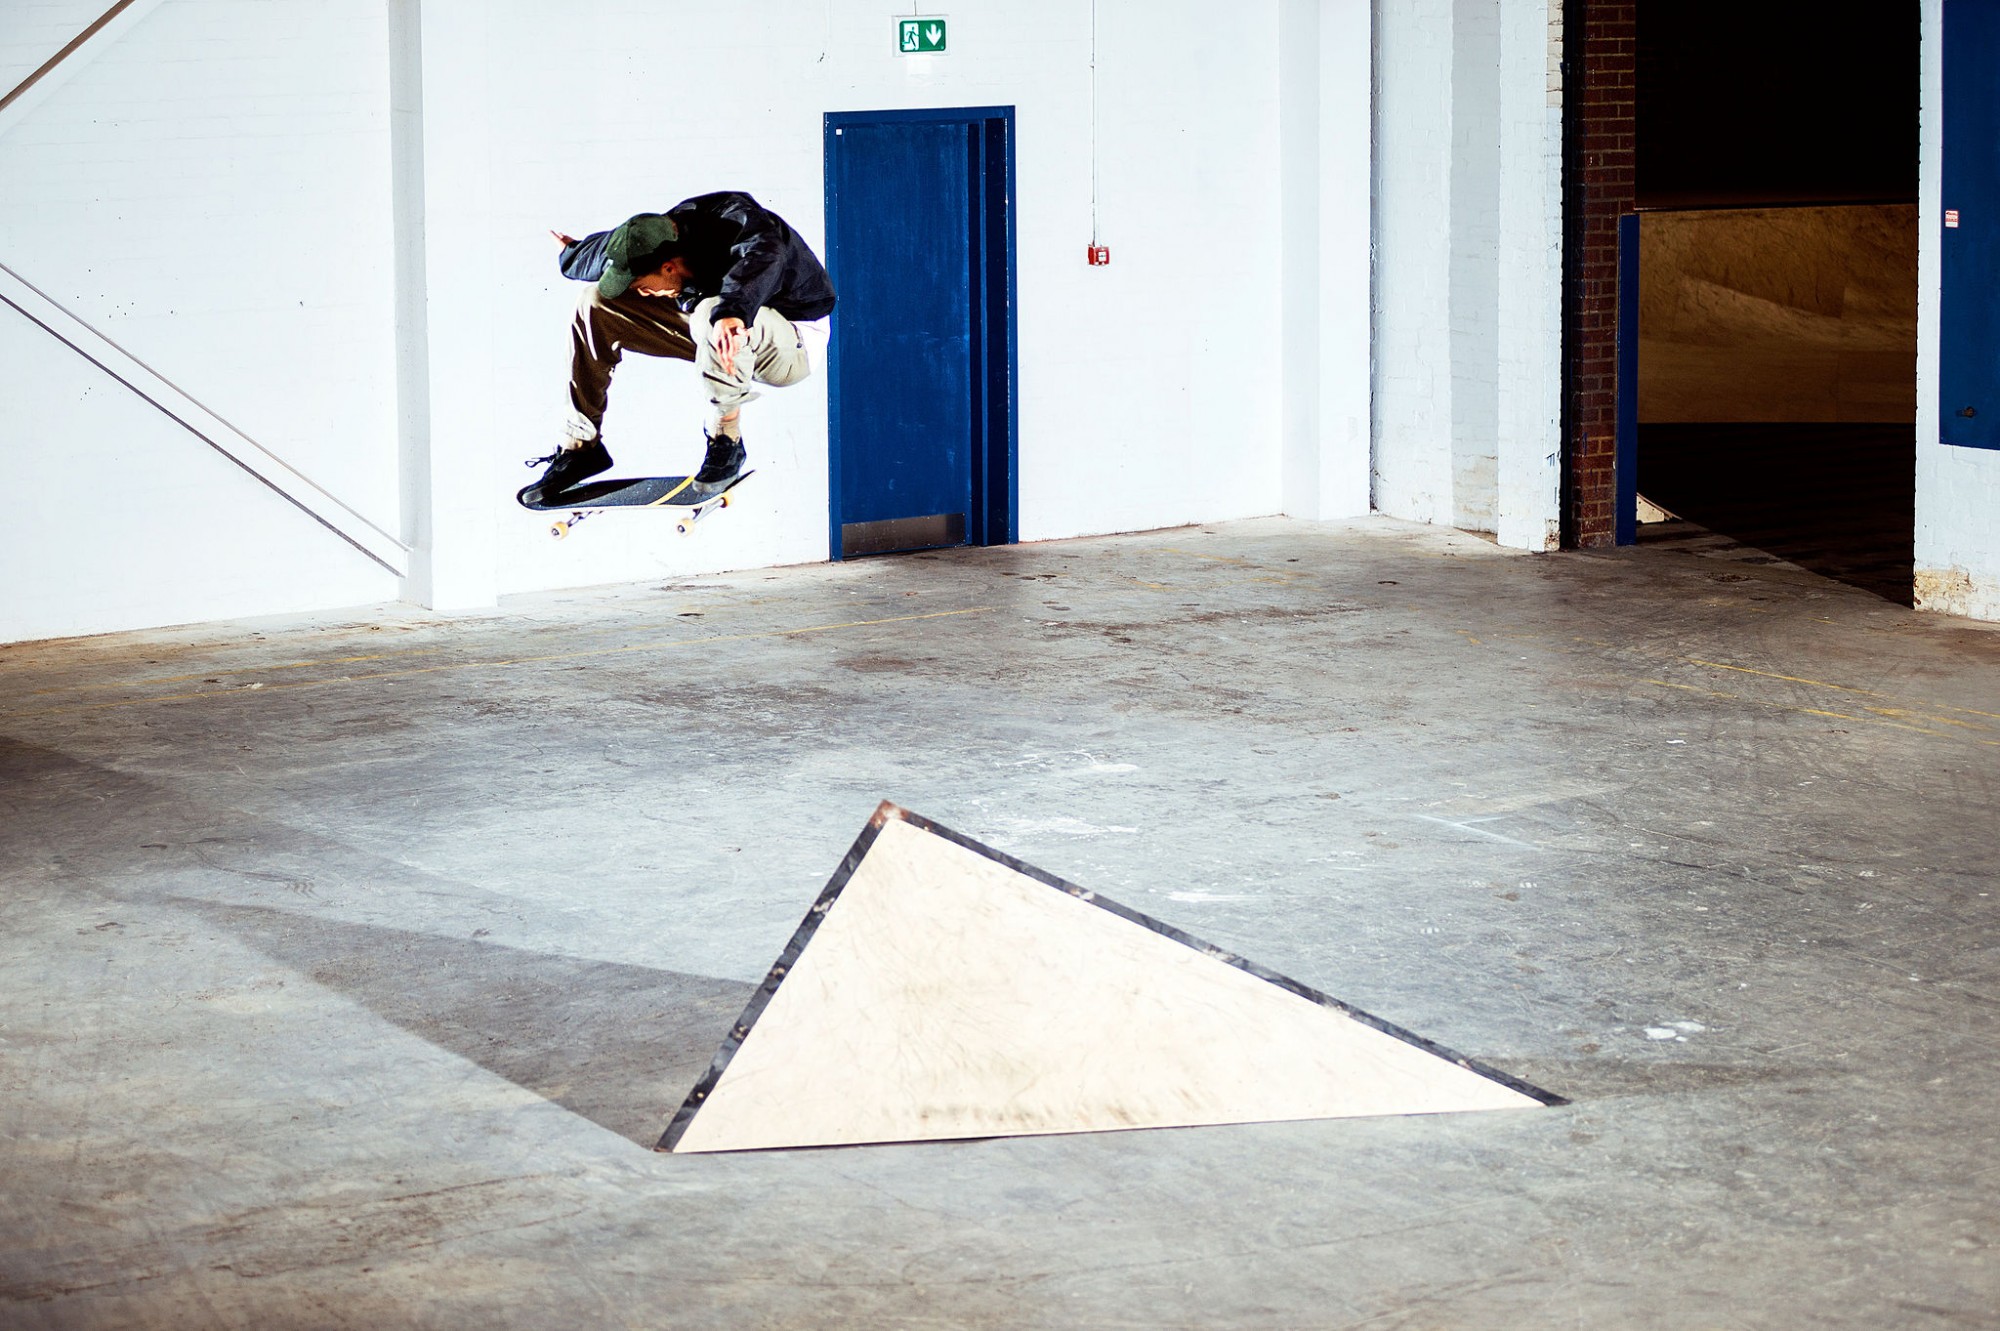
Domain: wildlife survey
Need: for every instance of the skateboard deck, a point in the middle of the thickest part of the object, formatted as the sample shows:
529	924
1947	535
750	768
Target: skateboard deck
694	500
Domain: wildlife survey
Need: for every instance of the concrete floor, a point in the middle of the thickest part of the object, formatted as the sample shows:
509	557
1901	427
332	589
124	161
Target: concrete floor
348	966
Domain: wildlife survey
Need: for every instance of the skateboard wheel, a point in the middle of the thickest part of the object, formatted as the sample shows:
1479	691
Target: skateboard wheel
681	527
725	501
559	530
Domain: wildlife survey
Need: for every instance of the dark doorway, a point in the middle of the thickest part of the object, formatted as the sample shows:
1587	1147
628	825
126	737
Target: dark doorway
1775	170
1761	102
920	245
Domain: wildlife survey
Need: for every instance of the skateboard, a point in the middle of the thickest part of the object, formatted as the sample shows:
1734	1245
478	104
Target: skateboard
588	499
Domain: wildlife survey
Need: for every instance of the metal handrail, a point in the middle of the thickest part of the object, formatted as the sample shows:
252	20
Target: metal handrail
66	52
205	424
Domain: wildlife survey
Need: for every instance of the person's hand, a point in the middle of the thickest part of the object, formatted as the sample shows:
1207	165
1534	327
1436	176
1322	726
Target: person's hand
727	338
562	240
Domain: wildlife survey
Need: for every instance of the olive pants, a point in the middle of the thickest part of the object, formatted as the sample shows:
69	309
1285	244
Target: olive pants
776	351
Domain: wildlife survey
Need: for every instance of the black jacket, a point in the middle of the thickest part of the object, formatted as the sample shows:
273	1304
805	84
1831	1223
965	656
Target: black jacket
738	250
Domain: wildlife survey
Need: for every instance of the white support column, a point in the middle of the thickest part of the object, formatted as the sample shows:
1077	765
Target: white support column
1474	267
1468	333
443	225
1325	62
1299	253
1411	466
1346	253
1530	274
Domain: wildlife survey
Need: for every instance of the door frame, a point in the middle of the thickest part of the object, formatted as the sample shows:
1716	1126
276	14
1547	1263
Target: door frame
994	518
1625	460
1968	334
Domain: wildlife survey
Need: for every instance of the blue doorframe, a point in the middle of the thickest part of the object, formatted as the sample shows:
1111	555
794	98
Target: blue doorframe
1969	249
978	362
1625	462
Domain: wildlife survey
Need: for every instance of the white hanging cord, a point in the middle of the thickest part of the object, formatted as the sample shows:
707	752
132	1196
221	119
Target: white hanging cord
1093	124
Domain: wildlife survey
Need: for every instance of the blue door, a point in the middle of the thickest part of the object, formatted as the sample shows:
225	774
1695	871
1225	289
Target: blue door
920	248
1969	323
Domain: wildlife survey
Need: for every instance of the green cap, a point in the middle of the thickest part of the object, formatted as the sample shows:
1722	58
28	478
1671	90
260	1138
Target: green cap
637	247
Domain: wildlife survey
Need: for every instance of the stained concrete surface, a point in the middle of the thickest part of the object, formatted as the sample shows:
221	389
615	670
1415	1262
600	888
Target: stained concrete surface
347	963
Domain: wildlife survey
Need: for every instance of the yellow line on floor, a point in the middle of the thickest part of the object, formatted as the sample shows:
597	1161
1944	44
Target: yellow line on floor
1213	559
1279	575
1925	716
505	661
1816	711
1824	684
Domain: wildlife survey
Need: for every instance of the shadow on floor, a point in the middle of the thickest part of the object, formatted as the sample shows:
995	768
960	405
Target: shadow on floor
619	1045
1838	500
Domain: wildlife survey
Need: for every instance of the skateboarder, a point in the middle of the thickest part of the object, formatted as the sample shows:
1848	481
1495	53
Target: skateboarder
718	280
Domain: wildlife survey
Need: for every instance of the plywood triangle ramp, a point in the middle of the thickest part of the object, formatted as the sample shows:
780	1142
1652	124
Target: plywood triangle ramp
940	989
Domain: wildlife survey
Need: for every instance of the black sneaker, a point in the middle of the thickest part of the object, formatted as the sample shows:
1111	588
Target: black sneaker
724	461
566	468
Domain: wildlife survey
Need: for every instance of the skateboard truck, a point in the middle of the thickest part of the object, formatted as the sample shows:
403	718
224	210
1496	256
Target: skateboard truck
696	512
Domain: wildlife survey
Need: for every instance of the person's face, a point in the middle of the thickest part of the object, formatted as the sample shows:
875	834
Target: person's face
667	282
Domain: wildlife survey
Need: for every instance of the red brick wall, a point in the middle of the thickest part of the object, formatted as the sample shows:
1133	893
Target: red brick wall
1598	189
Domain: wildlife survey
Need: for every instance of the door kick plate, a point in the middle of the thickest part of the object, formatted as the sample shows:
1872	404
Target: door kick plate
880	538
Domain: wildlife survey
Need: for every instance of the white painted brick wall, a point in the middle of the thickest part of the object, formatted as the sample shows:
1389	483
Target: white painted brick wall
210	192
1529	315
1475	263
1958	489
1147	388
1413	246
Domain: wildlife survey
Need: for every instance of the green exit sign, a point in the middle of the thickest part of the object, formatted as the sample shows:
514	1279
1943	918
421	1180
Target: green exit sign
920	36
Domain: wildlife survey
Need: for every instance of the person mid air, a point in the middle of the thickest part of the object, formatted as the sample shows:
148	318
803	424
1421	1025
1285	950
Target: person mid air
718	280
